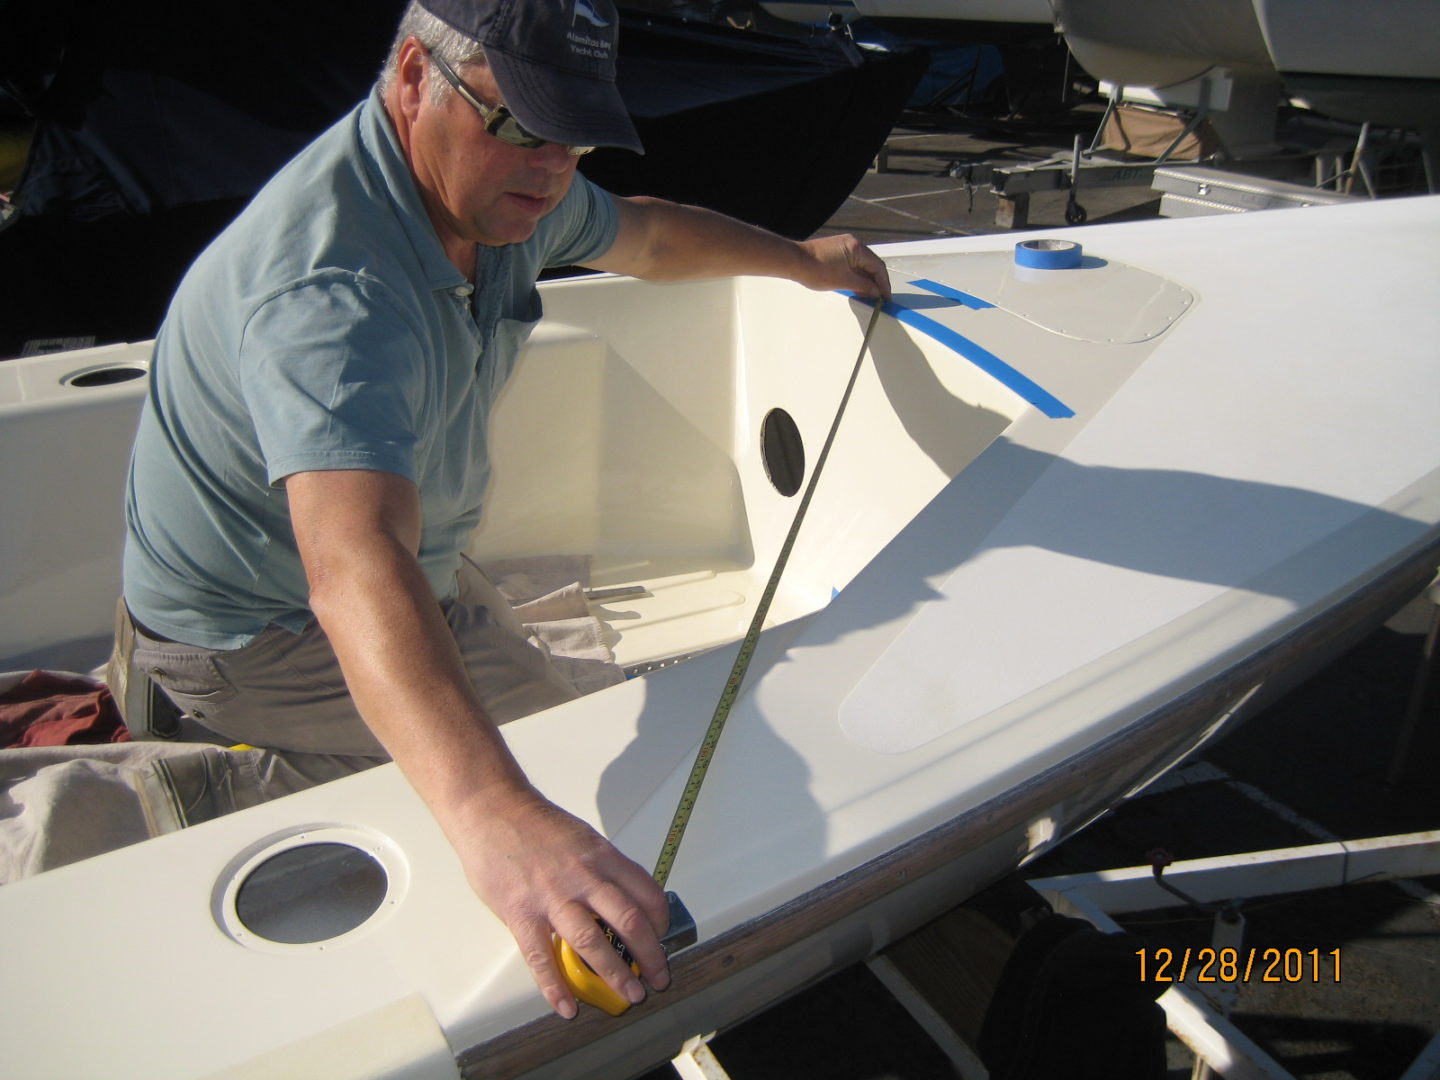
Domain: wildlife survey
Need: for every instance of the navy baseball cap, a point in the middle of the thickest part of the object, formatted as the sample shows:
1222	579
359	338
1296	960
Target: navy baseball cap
554	61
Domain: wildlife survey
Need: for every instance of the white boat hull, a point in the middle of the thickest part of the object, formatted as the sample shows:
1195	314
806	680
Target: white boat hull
1073	524
1360	62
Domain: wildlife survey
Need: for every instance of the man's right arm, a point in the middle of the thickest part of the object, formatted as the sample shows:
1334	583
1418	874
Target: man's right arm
536	866
659	240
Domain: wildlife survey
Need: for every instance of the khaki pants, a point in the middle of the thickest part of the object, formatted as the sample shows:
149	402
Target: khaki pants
284	692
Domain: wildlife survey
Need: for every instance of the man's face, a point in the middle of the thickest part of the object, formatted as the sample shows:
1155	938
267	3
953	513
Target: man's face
477	188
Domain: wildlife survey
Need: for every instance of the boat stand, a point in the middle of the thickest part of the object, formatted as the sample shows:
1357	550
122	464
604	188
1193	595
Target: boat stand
946	973
1243	162
1013	185
1191	105
1198	1013
696	1061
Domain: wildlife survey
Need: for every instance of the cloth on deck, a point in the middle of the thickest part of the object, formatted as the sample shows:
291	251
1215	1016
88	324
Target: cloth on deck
548	594
57	708
61	804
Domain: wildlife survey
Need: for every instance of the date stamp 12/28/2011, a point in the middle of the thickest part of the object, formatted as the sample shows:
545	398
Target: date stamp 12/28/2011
1261	965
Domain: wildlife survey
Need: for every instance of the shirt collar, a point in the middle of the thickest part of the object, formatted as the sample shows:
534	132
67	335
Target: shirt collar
387	163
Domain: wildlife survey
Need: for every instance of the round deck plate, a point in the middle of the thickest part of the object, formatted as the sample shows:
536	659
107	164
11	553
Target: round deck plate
313	888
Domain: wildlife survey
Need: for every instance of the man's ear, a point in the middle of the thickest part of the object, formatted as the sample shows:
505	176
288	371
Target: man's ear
411	77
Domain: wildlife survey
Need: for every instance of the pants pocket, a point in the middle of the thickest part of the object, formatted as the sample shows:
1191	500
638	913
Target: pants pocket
190	678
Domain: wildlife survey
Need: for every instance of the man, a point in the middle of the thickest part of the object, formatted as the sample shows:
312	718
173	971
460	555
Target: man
312	455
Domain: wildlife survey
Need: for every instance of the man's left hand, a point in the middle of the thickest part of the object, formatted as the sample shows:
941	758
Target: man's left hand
842	262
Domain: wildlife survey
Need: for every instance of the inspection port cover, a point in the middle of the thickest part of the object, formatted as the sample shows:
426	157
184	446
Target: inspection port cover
313	888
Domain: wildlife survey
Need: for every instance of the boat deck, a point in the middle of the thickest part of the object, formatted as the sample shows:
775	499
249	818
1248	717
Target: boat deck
1319	764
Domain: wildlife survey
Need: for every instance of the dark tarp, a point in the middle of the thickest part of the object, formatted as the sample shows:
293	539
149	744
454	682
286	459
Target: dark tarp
773	131
155	122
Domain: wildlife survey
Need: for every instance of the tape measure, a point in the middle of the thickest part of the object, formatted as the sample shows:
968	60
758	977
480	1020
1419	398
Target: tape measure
583	982
593	990
688	797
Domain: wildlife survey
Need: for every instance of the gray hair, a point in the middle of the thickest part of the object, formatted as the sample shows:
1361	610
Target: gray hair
439	37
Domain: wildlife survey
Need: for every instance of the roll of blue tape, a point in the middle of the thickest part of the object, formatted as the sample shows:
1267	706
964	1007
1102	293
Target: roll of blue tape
1047	254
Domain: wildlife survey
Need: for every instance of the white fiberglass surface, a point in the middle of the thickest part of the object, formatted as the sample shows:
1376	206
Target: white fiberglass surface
1255	433
1100	300
66	424
638	441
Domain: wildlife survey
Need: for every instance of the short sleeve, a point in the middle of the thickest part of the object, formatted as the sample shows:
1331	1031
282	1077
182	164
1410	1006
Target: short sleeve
582	227
333	378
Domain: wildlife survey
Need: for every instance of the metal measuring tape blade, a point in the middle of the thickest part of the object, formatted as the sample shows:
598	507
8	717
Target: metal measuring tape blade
747	645
586	985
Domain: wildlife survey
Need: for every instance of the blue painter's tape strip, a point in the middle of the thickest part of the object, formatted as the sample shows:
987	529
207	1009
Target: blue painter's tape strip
951	294
985	360
982	358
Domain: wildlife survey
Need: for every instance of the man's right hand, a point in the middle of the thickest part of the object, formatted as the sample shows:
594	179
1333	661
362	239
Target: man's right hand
544	871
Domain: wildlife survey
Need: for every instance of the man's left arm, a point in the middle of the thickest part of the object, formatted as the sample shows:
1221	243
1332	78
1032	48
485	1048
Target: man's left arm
664	241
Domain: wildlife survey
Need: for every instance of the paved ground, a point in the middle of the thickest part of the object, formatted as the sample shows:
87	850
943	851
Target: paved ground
1315	766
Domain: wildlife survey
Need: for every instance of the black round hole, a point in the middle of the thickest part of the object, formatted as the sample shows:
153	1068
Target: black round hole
107	376
311	893
783	452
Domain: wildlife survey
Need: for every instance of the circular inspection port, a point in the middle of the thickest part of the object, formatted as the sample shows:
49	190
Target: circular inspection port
311	893
782	451
310	889
108	375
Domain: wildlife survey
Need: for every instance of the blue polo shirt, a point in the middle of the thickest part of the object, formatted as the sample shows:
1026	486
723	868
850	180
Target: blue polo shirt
324	329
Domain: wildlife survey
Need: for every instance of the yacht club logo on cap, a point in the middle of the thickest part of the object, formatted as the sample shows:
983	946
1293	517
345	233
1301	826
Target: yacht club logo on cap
585	10
583	43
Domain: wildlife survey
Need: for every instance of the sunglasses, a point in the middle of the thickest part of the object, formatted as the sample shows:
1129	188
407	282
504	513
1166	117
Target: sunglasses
499	121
